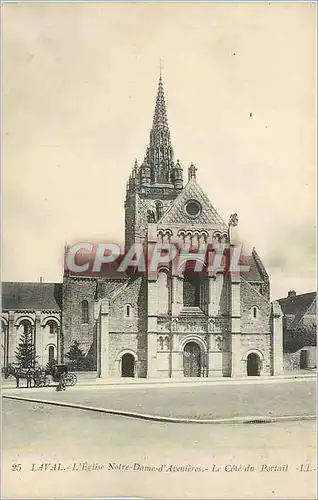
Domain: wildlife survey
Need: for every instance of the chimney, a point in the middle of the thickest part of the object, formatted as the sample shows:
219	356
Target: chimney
291	293
40	279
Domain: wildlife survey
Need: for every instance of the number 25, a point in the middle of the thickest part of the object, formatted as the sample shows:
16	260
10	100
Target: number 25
16	467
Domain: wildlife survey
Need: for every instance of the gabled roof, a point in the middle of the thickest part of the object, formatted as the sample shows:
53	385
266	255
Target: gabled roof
296	307
254	273
176	213
31	296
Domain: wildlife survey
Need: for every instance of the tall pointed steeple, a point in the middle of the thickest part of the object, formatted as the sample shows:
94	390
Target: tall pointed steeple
159	154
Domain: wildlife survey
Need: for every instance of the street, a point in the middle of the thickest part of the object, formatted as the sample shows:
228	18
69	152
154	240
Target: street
58	452
277	398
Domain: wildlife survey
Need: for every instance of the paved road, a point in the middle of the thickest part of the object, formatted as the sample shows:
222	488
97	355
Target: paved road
200	402
37	434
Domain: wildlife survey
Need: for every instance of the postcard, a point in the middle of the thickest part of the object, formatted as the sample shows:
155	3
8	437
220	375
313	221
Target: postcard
158	251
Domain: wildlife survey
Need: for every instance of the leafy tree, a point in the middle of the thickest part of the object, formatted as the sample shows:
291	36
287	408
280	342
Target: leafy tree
26	352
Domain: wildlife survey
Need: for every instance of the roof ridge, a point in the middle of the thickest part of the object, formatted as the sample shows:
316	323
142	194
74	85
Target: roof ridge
255	290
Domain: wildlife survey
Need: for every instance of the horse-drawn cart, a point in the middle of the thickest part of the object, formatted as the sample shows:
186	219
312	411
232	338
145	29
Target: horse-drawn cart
41	379
58	370
39	376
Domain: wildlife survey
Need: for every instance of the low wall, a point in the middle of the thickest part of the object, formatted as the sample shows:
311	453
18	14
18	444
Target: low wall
85	375
292	359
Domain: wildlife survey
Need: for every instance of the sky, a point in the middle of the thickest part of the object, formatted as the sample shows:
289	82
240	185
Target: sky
79	88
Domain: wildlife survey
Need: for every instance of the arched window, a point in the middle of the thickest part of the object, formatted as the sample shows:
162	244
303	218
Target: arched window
27	327
128	310
52	326
191	291
254	312
84	311
51	353
160	341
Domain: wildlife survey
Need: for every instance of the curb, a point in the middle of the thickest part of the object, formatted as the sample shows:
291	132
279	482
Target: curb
157	418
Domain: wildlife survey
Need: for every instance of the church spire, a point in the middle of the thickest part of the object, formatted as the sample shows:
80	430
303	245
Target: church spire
160	120
160	152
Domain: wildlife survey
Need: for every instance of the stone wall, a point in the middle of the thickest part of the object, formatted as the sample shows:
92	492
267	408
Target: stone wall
260	344
75	291
129	332
250	298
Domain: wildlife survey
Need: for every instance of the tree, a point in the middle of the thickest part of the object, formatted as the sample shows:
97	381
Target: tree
50	366
26	352
76	356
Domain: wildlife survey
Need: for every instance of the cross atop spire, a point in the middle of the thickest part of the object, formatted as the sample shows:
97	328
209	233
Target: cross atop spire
161	66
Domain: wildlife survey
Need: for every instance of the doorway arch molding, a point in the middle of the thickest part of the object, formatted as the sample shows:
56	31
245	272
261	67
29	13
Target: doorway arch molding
119	360
253	351
193	338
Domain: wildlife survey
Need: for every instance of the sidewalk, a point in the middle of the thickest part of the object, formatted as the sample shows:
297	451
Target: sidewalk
137	383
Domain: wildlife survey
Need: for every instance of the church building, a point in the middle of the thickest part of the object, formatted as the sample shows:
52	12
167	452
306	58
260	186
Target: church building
163	324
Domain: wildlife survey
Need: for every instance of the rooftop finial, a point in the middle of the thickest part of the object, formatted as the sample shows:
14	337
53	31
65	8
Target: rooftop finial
192	172
161	67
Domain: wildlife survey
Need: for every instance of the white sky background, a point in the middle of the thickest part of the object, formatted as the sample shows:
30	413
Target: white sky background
79	88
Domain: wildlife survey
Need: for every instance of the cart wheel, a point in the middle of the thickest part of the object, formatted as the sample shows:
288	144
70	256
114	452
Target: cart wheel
74	379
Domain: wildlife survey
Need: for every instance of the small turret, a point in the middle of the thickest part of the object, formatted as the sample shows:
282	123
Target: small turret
134	178
145	174
177	176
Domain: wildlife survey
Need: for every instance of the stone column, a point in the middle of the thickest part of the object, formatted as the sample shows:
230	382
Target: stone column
38	337
152	313
174	289
103	368
12	338
213	296
152	329
235	285
277	339
5	339
58	344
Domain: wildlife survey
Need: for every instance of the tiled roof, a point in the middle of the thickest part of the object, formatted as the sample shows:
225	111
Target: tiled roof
31	296
297	306
254	273
109	270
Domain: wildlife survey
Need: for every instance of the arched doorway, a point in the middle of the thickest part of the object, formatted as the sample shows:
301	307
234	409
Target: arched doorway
253	365
192	360
128	365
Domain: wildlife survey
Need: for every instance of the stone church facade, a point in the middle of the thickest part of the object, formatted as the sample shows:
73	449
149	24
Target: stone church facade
163	324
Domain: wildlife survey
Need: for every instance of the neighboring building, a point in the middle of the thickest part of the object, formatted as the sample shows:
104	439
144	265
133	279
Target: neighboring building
35	307
299	320
166	325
